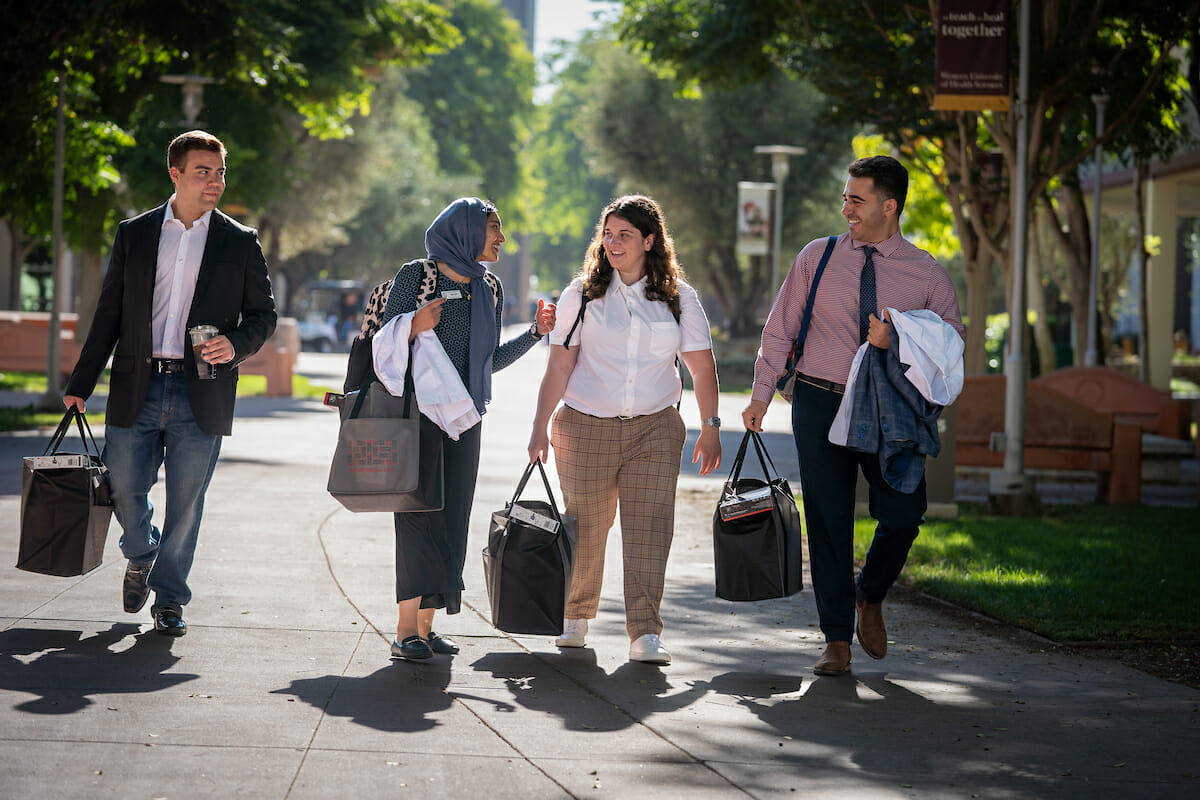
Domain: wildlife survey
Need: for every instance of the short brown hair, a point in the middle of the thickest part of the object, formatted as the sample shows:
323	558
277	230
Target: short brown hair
888	174
184	143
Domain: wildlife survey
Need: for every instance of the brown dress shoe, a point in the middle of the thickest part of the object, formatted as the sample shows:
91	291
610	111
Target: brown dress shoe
835	660
871	633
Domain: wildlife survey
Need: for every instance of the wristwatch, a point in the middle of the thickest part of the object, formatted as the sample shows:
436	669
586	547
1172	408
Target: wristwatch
533	331
713	422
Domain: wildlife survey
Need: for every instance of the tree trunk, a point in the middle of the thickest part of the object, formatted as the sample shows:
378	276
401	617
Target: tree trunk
20	248
1077	248
1036	298
90	278
1139	226
978	276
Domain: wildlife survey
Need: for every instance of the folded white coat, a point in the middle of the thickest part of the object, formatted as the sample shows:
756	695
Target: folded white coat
440	393
934	351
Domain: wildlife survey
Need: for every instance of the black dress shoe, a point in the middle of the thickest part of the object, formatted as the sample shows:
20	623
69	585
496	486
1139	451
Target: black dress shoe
169	621
442	645
413	648
134	590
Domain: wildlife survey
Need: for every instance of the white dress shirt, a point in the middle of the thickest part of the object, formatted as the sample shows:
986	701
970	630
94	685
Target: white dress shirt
180	250
628	345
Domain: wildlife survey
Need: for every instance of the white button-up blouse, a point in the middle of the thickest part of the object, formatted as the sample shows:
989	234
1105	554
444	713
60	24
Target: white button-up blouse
628	344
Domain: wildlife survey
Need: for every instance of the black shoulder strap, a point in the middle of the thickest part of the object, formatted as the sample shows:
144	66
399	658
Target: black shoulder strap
812	296
578	317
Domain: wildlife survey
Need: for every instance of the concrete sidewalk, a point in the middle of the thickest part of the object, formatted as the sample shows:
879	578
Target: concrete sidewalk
283	687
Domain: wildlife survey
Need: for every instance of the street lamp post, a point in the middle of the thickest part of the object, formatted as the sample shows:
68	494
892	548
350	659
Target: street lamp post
193	93
779	171
1090	356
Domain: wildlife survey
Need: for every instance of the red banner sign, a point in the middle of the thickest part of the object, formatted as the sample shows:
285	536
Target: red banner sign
971	57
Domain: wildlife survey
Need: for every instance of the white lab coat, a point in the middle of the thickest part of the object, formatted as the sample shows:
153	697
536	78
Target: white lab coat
440	393
934	352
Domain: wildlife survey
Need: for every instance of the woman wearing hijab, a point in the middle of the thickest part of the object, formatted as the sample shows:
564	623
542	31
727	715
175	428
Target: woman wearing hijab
462	306
618	436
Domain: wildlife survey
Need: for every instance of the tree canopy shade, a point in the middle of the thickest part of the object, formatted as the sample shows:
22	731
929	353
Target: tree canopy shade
689	154
568	183
875	63
311	59
478	98
398	190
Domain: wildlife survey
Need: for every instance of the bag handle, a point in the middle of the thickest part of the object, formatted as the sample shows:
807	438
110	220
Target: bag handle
60	433
545	482
409	388
764	458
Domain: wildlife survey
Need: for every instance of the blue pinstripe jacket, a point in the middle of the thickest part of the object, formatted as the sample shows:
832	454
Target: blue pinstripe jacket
890	417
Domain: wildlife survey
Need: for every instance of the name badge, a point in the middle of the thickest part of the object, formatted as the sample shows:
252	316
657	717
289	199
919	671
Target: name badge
452	294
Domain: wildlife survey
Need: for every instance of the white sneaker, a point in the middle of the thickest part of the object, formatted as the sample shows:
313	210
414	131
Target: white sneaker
574	631
649	649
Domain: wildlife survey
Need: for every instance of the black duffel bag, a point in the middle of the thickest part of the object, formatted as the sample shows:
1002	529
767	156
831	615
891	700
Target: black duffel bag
757	545
528	562
66	505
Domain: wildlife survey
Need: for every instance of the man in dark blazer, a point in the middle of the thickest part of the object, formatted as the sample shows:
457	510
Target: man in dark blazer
182	265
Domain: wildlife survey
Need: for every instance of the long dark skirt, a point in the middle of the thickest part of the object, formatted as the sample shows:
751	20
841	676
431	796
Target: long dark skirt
431	546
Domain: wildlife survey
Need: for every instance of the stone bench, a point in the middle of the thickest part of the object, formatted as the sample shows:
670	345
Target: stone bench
25	342
276	359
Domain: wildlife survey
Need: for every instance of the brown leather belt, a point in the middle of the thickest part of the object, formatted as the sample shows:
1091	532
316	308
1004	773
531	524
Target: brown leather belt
821	383
167	366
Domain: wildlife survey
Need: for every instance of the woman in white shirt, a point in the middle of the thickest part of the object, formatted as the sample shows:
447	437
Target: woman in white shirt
618	436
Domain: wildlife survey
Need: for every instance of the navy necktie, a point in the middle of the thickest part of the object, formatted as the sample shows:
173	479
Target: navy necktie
866	295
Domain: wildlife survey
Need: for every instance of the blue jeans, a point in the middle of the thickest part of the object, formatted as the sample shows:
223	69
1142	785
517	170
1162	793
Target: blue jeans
828	478
164	432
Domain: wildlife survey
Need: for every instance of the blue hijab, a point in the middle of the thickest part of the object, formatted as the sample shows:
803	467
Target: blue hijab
457	237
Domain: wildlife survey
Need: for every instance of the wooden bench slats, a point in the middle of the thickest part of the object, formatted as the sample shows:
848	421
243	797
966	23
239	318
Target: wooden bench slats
1129	399
1060	434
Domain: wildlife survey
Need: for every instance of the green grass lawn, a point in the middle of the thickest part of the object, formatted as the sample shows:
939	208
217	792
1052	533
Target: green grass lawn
13	419
1077	573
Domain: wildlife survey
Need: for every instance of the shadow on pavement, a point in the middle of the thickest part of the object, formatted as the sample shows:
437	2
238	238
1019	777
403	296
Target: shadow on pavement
402	697
63	670
613	702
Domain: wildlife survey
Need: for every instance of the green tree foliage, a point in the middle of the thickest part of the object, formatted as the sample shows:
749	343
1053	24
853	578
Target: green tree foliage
404	190
276	62
568	185
478	99
875	62
689	154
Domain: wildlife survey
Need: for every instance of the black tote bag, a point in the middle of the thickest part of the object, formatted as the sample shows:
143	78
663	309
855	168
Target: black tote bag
528	562
66	505
388	455
757	544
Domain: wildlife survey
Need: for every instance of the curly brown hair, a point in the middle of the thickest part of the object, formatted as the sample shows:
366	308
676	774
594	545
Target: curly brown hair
663	272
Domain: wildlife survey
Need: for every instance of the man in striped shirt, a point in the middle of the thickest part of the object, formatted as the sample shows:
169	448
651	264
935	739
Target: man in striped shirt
871	267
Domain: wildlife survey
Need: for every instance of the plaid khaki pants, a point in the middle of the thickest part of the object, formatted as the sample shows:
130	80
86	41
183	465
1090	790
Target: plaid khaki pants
604	462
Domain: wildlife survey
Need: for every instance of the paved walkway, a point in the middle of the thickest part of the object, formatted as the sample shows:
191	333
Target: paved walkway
283	687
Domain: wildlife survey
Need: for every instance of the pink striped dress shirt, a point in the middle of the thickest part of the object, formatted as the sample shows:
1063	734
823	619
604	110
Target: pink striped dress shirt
906	278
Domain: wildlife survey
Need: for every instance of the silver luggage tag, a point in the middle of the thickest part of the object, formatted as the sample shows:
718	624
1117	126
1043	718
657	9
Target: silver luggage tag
522	514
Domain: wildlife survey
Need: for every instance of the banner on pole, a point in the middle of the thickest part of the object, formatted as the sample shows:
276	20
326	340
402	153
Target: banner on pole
971	60
754	218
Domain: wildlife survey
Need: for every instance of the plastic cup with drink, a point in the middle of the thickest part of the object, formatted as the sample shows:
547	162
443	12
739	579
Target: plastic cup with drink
201	334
